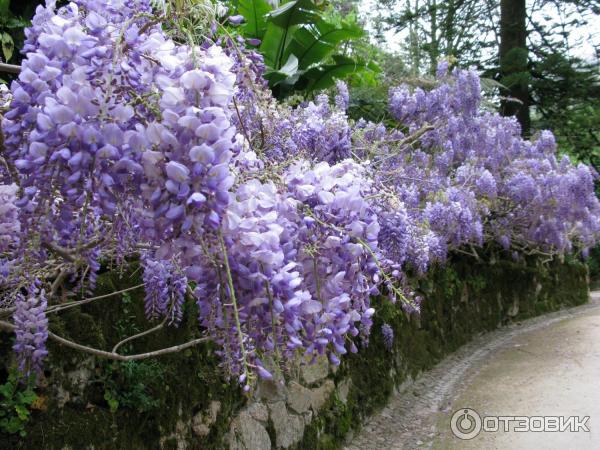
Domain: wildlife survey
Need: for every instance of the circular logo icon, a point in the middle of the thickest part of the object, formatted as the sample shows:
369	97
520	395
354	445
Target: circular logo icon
465	423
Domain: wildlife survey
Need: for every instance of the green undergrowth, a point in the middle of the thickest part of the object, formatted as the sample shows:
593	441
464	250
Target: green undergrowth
17	397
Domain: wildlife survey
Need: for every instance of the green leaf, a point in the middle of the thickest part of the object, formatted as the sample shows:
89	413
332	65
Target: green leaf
313	43
255	12
323	77
7	46
17	22
272	43
22	412
281	25
27	397
294	13
13	425
7	390
488	84
288	72
113	403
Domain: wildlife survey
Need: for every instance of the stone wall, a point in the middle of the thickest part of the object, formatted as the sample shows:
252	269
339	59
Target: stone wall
181	401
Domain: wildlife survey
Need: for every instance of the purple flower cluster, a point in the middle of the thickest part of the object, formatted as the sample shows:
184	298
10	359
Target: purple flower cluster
388	336
107	110
267	301
165	290
9	216
301	268
316	130
31	329
336	246
70	113
479	180
285	220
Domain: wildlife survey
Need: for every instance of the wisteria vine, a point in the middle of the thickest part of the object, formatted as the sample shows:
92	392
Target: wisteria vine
280	223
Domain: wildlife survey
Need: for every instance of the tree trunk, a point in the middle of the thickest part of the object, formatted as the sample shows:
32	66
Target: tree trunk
514	61
434	45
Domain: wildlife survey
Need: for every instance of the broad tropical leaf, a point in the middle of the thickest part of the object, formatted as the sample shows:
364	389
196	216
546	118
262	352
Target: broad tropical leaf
313	43
282	23
287	74
294	13
323	77
255	12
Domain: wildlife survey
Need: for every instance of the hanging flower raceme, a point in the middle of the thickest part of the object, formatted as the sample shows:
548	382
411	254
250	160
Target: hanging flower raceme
337	250
9	217
31	332
259	290
120	137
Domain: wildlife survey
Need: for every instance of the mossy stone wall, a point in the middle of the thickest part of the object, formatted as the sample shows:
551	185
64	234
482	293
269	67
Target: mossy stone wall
462	299
181	401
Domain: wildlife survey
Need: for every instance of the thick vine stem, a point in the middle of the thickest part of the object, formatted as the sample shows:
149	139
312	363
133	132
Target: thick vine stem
408	140
63	253
112	355
9	68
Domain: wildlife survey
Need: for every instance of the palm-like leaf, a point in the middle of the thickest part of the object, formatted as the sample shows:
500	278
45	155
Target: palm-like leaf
313	43
324	76
297	44
255	12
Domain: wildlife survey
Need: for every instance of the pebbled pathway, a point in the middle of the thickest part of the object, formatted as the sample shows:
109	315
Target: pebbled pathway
548	365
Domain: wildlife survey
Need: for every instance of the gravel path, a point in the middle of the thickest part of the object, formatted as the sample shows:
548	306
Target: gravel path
410	419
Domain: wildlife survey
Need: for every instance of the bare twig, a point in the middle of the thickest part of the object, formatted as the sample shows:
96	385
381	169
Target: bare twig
475	254
408	140
139	335
10	167
75	303
57	283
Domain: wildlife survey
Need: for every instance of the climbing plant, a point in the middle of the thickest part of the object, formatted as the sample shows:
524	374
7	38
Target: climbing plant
130	143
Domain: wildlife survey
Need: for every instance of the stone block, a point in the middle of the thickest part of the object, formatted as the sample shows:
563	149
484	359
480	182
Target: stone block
317	371
320	395
299	397
289	428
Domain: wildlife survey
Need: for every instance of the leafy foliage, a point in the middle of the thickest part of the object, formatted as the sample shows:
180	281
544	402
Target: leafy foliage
16	399
133	385
255	12
300	46
566	93
11	35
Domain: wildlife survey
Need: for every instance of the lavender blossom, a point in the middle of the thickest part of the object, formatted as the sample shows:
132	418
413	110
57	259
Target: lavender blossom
388	336
31	330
